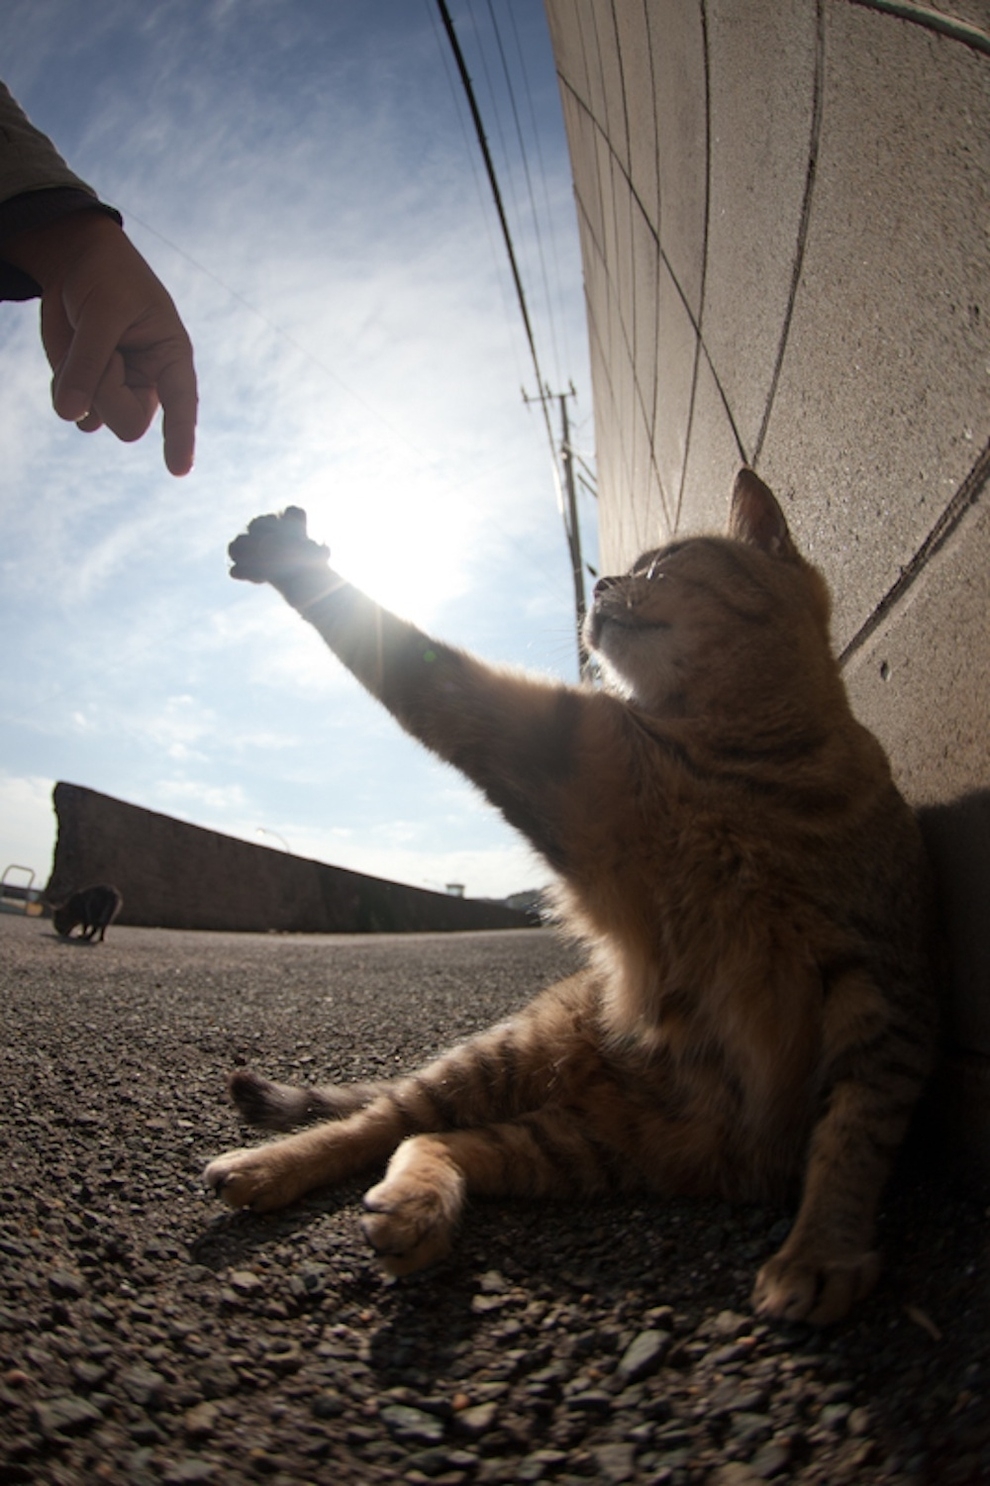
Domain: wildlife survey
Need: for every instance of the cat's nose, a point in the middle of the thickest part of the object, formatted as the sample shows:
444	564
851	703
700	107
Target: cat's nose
604	584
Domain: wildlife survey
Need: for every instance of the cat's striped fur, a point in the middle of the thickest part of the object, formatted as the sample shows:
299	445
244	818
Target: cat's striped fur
756	1015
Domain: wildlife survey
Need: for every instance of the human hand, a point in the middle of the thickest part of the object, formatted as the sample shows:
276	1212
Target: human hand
113	337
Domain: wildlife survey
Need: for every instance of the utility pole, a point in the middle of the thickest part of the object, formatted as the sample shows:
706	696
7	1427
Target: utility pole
568	501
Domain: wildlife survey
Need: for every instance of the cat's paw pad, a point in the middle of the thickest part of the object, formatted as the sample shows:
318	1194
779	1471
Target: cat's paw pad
410	1222
252	1177
792	1288
273	547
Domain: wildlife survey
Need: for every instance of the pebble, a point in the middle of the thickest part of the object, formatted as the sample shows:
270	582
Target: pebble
616	1462
191	1469
590	1401
834	1416
142	1384
245	1282
734	1474
216	1377
477	1420
200	1421
66	1414
770	1458
644	1354
66	1285
412	1426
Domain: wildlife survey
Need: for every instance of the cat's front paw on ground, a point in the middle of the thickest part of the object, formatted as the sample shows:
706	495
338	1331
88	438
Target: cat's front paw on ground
411	1217
274	547
796	1288
255	1177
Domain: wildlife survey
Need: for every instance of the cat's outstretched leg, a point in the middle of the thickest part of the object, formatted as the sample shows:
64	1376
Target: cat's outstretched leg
267	1177
412	1216
497	1075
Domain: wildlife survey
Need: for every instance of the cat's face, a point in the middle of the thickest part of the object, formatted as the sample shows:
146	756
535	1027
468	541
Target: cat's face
713	624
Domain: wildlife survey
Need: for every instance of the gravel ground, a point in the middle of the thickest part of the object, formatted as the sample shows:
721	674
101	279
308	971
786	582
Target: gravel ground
148	1336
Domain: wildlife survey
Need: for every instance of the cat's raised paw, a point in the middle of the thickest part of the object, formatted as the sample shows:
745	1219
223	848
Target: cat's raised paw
274	547
820	1291
254	1177
411	1217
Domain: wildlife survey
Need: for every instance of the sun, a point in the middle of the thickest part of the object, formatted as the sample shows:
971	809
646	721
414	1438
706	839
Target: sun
405	537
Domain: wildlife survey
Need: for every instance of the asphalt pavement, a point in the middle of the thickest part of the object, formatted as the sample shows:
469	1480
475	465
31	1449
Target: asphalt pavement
149	1337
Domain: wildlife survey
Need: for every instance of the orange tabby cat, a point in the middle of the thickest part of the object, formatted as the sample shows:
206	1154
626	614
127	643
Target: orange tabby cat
756	1014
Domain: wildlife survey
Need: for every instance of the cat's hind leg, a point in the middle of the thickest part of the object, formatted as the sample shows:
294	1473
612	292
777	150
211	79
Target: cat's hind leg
271	1176
412	1215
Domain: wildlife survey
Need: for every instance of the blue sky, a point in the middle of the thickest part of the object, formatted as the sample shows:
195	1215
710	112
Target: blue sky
303	178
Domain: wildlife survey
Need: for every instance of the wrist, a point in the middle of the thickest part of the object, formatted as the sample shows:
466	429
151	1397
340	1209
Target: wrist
45	251
307	586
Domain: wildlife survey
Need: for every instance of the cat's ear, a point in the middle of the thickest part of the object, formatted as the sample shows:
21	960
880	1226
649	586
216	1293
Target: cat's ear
756	518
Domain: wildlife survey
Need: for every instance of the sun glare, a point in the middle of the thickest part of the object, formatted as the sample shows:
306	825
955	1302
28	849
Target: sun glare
404	539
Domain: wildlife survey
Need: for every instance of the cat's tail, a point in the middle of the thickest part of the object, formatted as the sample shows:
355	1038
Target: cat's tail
272	1106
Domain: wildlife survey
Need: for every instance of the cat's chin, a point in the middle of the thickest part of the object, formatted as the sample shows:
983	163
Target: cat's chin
613	681
645	696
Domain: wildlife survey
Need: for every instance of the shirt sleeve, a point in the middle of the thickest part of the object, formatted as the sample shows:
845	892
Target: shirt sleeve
36	187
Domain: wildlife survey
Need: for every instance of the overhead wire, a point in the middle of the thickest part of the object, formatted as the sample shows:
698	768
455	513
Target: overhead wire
479	128
457	94
529	190
551	231
563	472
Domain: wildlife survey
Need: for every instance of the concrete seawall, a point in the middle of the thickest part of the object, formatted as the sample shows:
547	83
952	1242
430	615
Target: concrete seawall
178	876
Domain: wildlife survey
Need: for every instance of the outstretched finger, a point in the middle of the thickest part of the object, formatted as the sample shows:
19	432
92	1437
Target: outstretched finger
178	397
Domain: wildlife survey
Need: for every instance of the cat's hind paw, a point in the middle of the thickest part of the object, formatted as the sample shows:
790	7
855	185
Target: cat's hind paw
275	547
817	1290
411	1217
258	1177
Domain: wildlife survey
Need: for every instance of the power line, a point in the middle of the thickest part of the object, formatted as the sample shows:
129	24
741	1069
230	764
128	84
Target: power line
529	185
479	130
551	231
455	94
568	510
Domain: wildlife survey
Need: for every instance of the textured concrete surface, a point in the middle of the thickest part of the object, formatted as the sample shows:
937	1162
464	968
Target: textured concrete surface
177	876
784	211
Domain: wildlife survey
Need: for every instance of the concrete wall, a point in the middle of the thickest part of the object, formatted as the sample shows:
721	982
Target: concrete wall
783	209
178	876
